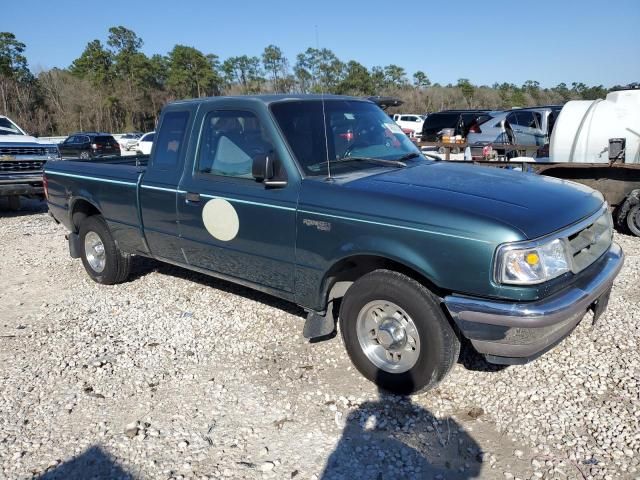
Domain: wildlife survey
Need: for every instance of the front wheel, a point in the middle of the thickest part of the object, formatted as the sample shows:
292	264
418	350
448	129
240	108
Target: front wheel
633	220
396	334
101	257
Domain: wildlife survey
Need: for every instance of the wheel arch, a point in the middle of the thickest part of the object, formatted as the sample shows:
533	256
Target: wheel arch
80	209
348	269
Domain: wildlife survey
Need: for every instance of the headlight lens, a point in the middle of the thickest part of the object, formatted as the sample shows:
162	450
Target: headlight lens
531	265
53	153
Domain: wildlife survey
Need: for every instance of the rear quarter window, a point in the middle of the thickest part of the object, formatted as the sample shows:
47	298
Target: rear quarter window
171	140
105	140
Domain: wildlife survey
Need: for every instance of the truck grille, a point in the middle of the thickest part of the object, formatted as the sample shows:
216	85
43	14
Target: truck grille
21	166
22	151
589	244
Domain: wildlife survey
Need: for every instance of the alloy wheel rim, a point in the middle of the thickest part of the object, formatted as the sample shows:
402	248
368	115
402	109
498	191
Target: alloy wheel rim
94	251
388	336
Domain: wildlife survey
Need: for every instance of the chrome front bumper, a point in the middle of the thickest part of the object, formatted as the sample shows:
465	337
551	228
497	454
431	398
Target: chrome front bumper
515	333
21	184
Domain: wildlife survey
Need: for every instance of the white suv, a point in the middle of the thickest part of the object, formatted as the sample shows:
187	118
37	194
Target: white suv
410	121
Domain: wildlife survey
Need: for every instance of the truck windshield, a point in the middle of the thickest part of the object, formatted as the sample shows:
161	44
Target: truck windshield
7	127
355	129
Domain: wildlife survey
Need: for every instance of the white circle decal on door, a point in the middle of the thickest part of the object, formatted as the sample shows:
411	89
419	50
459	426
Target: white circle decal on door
221	219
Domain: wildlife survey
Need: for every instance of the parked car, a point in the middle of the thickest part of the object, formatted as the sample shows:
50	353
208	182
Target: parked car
410	122
143	147
459	120
22	158
89	145
524	126
410	256
128	141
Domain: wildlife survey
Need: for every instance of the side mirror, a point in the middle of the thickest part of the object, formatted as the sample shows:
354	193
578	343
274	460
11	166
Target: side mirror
263	170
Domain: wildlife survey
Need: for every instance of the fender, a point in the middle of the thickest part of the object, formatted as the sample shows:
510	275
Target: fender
385	249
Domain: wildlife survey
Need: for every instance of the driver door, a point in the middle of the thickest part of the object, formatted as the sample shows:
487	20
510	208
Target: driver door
524	127
230	223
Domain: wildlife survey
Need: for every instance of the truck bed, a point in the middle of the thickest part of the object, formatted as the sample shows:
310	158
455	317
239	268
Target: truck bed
108	185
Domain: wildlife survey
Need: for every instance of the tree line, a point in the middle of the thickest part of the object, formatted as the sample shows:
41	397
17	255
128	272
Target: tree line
113	86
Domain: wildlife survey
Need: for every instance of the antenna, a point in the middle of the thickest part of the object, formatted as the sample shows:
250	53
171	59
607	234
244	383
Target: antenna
324	113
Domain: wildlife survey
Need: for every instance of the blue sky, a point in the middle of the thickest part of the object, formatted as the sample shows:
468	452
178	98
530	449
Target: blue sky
488	41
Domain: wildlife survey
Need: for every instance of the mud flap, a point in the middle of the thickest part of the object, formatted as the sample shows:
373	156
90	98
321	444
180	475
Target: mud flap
318	325
74	245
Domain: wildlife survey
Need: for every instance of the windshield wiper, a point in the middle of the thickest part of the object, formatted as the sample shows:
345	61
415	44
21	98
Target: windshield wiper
381	161
408	156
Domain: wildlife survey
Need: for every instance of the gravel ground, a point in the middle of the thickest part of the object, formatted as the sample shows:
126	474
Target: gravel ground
177	375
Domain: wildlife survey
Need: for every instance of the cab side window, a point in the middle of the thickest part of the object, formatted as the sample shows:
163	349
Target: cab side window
171	140
229	141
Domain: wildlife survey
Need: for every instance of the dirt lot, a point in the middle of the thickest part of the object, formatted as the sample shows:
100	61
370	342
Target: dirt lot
178	375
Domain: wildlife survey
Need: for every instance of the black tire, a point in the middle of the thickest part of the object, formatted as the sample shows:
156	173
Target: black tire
440	347
633	220
117	264
14	202
84	155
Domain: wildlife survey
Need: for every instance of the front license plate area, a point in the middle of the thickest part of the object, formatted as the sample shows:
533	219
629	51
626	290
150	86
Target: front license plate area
600	305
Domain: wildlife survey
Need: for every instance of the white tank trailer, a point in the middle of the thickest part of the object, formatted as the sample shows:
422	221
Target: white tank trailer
597	143
584	129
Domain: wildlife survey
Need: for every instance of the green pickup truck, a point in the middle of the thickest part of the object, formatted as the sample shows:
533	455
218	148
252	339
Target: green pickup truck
324	202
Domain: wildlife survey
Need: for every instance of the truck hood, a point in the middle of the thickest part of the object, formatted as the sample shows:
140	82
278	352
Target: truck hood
23	139
533	204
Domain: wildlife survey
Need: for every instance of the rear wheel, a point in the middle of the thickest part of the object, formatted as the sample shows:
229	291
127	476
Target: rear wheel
101	257
633	220
396	333
84	155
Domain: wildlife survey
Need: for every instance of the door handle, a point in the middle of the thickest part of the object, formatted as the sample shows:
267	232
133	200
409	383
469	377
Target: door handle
193	197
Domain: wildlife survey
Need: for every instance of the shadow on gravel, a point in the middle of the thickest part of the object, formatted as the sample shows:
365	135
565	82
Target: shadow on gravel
472	360
28	206
395	438
143	266
94	463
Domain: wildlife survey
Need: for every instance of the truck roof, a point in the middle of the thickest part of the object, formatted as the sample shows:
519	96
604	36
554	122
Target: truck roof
268	99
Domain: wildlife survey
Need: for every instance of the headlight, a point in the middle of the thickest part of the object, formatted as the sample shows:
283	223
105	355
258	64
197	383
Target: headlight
52	153
531	264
